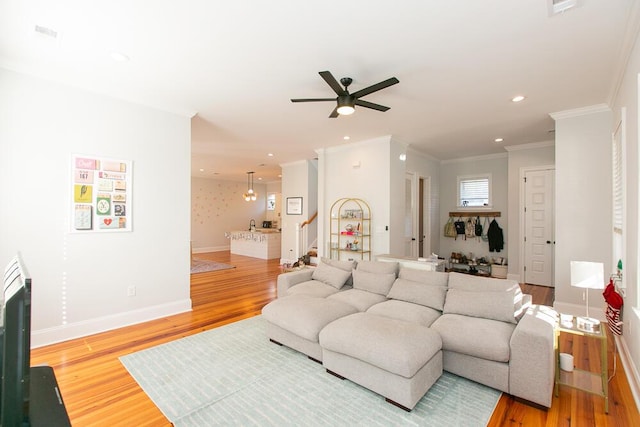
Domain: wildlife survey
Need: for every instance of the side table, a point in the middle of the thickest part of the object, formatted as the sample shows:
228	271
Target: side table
591	382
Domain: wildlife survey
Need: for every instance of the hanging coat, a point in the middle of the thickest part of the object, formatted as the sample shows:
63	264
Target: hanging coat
496	239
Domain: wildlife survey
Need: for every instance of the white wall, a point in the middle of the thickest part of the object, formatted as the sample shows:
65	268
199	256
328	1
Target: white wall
363	170
497	166
80	281
522	156
628	97
217	207
583	199
299	179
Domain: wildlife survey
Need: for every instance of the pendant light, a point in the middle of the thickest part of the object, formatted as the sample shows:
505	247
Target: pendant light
250	195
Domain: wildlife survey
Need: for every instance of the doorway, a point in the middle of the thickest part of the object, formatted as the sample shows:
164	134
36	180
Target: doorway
417	238
538	226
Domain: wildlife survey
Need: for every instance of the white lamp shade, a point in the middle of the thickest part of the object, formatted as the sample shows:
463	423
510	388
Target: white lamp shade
586	274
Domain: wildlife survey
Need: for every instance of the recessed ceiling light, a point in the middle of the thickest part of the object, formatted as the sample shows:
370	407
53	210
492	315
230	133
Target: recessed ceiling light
498	140
118	56
403	157
260	178
517	98
270	154
346	137
201	170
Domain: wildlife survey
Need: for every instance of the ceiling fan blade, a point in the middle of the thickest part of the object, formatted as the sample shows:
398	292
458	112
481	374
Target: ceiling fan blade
331	81
334	113
313	99
376	87
371	105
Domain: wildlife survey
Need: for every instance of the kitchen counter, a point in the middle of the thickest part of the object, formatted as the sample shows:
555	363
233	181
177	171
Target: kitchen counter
263	243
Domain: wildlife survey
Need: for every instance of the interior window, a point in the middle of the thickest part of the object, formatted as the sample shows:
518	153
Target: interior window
474	191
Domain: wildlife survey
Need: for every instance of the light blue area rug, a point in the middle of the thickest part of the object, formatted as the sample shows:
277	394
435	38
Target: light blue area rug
233	376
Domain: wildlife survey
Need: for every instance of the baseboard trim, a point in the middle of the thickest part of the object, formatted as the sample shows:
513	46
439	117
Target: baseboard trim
629	369
515	277
211	249
66	332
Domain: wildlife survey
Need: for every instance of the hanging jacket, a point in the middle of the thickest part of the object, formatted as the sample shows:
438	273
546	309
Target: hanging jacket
496	239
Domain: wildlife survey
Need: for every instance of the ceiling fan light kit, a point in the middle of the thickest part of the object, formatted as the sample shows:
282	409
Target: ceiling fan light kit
346	101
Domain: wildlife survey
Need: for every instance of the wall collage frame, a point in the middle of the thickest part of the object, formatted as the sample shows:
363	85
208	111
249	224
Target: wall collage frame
101	191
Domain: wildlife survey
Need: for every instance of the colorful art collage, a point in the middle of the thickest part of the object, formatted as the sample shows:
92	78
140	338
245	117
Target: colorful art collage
101	194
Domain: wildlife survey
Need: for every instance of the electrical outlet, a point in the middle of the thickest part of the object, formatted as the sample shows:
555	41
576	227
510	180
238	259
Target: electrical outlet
131	291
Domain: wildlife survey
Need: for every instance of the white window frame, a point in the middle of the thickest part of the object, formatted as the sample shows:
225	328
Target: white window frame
462	178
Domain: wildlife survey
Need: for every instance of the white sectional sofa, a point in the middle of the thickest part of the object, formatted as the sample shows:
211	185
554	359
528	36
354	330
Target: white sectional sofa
394	329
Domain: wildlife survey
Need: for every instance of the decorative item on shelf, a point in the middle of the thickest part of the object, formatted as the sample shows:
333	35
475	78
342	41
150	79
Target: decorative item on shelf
587	275
250	195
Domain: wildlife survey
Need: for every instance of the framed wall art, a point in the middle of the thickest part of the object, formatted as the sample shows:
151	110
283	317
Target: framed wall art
101	191
294	205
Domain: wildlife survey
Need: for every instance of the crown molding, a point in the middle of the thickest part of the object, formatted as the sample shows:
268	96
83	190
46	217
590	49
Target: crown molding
530	146
475	158
582	111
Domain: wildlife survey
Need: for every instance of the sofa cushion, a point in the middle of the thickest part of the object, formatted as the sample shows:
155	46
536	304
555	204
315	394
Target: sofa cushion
418	293
484	304
305	316
378	267
330	275
406	311
394	345
379	283
359	299
483	338
342	265
313	288
434	278
467	282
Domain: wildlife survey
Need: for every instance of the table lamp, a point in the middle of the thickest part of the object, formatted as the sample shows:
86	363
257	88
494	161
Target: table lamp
589	275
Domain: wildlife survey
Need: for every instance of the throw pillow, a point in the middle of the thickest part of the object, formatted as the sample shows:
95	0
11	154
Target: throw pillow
435	278
343	265
484	304
333	276
418	293
378	283
378	267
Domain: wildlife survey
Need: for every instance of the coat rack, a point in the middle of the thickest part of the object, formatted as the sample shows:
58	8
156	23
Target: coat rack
490	214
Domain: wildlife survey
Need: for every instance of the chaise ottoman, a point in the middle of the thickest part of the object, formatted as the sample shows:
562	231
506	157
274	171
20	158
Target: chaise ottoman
399	360
296	321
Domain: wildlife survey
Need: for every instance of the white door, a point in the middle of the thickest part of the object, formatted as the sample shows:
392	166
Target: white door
539	227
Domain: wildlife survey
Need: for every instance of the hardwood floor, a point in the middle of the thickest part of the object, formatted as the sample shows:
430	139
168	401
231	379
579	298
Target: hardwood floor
98	391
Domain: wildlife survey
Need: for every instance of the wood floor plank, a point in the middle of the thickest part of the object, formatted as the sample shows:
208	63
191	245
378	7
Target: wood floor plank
98	391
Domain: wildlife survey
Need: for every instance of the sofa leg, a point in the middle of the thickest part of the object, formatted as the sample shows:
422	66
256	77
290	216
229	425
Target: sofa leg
336	374
397	404
275	342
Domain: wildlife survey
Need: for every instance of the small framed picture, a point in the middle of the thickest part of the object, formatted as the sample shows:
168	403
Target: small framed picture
294	205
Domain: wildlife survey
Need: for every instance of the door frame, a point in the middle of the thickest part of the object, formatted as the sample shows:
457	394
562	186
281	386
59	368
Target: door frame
415	179
521	218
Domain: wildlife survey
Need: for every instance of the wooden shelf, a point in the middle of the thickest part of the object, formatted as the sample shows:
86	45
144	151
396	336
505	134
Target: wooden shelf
475	213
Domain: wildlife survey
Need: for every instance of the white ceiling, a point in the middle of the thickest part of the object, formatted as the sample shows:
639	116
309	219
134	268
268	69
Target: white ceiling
236	64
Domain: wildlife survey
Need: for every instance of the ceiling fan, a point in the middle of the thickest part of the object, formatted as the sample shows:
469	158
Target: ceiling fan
347	101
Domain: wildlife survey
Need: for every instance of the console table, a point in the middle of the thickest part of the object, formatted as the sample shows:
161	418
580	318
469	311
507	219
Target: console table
591	382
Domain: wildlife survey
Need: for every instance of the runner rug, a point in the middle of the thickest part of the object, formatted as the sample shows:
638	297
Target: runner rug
204	266
234	376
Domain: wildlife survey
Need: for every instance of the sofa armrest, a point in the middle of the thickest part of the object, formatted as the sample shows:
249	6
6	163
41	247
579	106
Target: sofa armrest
292	278
532	359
